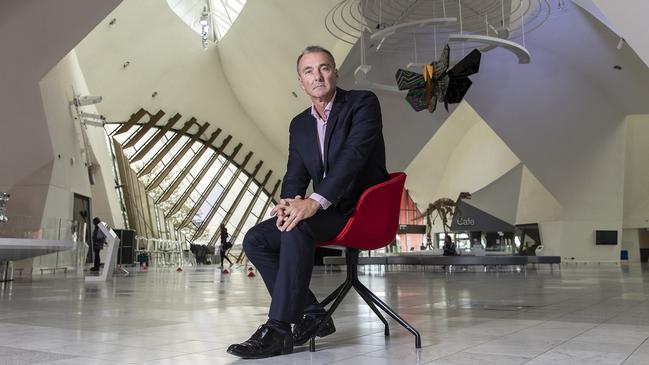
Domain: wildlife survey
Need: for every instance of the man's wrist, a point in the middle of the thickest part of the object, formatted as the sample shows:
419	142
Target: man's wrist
315	203
324	203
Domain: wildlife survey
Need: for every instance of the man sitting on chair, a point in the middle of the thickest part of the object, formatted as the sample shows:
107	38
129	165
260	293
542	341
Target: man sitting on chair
337	144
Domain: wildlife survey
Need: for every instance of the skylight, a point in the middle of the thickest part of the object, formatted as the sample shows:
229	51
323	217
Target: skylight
211	19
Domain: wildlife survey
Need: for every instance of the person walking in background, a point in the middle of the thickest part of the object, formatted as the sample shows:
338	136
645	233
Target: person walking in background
98	242
225	245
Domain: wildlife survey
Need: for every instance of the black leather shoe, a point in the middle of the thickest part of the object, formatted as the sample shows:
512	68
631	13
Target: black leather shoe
304	330
265	342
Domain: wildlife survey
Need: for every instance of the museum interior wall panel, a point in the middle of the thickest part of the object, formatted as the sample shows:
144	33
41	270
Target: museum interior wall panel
463	155
258	57
643	238
29	52
631	243
500	198
79	146
70	173
535	202
477	160
630	19
578	241
636	173
427	169
165	57
105	201
28	197
574	241
551	237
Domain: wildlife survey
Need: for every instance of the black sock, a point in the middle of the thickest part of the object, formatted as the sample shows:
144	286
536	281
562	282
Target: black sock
280	326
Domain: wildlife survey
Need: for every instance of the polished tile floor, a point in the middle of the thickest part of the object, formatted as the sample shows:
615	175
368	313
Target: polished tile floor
585	314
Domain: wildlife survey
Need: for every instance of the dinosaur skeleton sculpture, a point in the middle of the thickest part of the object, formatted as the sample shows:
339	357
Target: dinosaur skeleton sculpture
446	209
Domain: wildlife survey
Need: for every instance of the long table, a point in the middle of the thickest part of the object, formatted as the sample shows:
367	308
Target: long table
13	249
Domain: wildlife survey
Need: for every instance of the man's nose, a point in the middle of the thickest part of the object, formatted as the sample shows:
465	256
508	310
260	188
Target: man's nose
318	75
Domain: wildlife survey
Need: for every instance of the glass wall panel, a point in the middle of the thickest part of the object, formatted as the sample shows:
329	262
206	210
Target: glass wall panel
232	194
150	217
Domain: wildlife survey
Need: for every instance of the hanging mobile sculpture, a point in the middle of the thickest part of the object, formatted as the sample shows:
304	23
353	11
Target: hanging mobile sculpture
438	84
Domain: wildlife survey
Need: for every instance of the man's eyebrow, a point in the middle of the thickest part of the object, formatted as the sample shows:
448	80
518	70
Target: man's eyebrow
308	68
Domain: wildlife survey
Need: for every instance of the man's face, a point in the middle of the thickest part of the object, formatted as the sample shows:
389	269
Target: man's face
317	75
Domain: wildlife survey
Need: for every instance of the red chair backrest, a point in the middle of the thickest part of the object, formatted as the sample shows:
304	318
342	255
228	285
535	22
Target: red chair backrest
376	219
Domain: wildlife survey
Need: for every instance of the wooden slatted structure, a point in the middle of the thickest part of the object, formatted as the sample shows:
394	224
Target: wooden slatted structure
172	187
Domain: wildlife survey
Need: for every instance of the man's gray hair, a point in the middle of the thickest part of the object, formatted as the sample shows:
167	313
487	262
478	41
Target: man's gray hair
314	49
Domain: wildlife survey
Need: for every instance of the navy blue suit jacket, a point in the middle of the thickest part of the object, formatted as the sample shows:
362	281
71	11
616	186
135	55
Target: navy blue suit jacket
354	151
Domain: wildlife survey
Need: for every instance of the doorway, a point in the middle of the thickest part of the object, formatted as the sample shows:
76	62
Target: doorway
81	215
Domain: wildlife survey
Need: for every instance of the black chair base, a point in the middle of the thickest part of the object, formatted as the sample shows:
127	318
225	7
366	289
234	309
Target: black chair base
370	298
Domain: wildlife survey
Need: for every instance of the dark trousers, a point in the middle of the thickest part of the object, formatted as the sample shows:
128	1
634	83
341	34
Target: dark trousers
285	261
224	256
97	263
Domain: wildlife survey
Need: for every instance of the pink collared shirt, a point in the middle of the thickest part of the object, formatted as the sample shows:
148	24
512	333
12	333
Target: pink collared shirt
321	125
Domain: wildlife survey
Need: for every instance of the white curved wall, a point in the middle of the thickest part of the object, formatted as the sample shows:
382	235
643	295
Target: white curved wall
636	172
463	155
630	19
35	36
166	57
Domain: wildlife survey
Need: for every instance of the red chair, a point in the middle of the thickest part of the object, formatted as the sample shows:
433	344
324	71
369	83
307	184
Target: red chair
373	225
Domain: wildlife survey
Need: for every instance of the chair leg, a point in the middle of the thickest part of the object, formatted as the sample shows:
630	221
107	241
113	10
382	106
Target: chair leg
339	298
391	313
369	302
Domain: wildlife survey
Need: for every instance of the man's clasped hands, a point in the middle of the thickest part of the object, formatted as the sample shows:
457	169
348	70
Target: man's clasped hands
290	212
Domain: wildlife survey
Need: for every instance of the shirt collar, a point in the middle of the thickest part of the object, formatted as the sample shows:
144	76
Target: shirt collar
326	111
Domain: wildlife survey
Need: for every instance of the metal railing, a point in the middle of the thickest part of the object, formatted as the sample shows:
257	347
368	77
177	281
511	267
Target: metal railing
165	252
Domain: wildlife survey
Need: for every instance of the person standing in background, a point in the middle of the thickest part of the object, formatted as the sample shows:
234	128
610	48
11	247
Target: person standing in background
98	243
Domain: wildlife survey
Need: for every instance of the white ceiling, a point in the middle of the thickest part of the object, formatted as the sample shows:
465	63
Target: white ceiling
35	36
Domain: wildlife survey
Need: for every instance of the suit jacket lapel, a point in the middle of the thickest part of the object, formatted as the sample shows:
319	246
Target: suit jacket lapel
339	103
312	135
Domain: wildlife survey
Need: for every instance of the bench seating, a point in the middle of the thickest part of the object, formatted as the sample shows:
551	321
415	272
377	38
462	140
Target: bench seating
544	259
446	260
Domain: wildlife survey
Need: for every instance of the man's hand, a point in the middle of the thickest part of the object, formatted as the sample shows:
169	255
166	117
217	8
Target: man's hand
279	211
298	209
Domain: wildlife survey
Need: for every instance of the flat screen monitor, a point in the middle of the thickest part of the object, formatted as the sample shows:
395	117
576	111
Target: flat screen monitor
606	237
